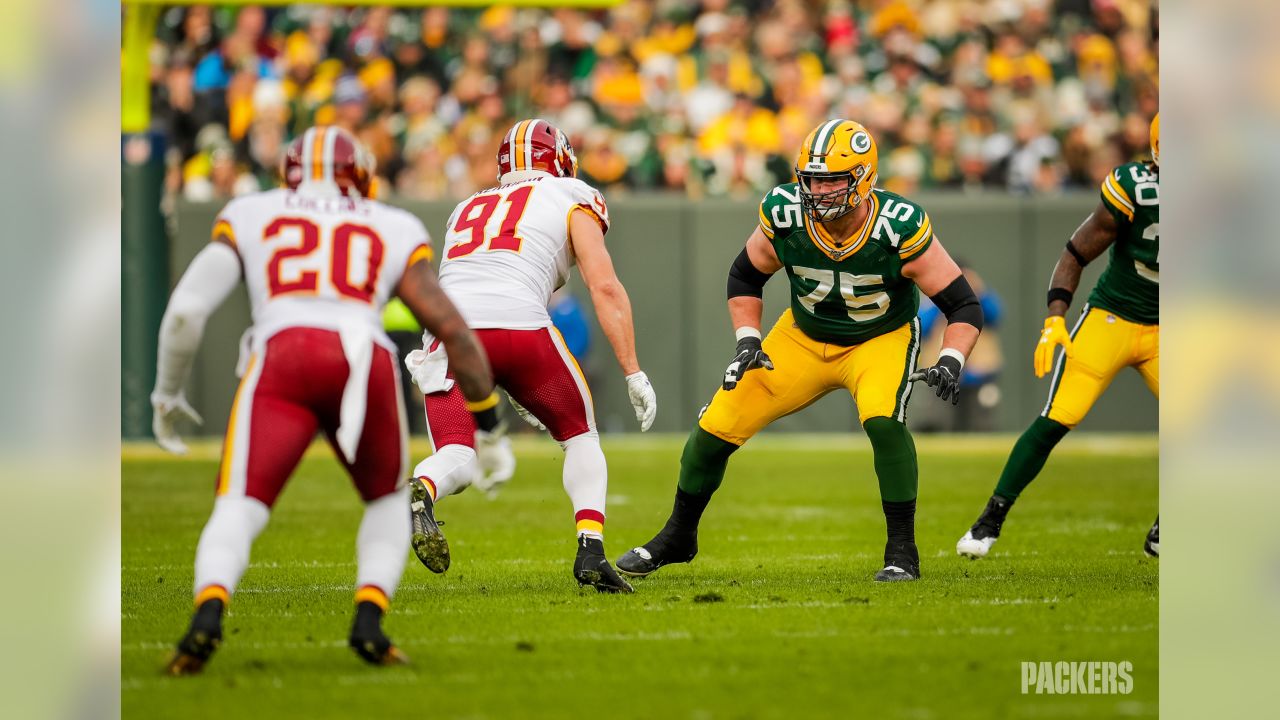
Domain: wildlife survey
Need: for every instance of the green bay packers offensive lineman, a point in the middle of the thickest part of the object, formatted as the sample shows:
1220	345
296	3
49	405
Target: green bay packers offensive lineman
1119	327
854	256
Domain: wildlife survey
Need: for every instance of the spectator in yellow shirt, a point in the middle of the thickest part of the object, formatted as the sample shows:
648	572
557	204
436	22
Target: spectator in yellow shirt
746	124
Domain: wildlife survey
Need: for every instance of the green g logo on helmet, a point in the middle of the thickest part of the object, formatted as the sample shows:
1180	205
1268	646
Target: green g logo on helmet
860	142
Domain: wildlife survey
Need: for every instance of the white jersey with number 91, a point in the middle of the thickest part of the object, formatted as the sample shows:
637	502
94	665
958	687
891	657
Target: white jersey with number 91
506	249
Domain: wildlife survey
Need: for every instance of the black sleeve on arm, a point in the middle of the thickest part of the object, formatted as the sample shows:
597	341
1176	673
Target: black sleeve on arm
958	302
1071	248
744	278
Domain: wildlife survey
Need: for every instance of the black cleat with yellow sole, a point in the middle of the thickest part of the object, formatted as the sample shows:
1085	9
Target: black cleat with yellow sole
428	541
368	640
592	568
202	638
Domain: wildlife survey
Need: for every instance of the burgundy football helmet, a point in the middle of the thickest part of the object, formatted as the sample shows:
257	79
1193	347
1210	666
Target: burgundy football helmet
536	145
329	154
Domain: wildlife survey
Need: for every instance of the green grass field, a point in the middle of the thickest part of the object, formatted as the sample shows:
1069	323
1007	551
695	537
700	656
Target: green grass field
777	617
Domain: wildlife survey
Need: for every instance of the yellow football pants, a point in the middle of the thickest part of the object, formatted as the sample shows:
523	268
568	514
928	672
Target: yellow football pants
874	372
1102	344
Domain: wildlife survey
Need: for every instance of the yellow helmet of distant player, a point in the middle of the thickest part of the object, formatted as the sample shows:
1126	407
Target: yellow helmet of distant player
839	149
1155	139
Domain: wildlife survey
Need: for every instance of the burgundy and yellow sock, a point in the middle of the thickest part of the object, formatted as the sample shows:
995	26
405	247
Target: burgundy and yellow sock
431	487
213	592
590	522
373	594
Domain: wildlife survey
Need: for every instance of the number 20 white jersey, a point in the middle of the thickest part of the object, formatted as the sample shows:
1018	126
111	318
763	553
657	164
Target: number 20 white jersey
507	249
330	263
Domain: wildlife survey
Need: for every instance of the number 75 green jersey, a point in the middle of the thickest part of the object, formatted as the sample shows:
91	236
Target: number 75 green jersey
1130	286
848	292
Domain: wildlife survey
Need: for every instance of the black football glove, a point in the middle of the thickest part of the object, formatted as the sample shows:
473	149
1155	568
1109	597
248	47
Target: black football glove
749	357
945	376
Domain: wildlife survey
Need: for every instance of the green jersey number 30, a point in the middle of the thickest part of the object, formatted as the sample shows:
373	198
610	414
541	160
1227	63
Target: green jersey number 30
1146	191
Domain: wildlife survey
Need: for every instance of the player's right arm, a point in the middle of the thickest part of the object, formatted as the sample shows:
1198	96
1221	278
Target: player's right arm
747	276
205	285
1087	243
421	292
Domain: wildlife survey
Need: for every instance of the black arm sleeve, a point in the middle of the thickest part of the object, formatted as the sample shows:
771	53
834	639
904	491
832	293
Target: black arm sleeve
958	302
1071	248
744	278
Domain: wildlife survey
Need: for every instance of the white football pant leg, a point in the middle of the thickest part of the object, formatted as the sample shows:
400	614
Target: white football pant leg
452	469
383	542
586	476
223	553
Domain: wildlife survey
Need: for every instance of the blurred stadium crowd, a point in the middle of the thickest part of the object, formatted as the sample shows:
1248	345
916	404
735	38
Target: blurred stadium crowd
707	98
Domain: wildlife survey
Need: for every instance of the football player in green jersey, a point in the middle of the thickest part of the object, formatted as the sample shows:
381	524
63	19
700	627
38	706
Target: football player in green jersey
857	258
1119	327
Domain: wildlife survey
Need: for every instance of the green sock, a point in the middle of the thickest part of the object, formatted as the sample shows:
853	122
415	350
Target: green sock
701	472
703	462
1029	455
895	459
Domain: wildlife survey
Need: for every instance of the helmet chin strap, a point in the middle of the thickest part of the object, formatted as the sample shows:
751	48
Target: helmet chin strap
837	210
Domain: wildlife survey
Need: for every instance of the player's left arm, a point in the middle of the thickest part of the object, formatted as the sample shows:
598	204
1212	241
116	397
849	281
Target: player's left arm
420	291
205	285
938	276
613	309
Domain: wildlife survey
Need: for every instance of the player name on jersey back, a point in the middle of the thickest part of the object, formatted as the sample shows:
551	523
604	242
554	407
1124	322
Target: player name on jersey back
506	249
327	262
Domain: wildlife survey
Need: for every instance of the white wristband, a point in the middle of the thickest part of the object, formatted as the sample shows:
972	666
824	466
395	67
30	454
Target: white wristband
952	353
746	331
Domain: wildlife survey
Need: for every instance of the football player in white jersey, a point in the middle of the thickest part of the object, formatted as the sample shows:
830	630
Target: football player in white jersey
319	260
506	250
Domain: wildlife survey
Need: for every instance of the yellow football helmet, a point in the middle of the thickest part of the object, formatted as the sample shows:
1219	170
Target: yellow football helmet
836	149
1155	139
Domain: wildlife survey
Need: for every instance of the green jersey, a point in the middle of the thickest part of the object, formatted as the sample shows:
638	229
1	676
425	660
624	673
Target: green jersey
1130	286
848	292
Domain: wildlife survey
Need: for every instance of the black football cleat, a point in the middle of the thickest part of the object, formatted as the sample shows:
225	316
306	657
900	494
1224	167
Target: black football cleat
664	549
901	563
592	568
428	541
1152	545
202	638
978	541
368	640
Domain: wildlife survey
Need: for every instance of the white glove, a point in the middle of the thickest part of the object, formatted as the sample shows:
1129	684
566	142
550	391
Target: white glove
497	462
429	370
643	399
524	413
166	411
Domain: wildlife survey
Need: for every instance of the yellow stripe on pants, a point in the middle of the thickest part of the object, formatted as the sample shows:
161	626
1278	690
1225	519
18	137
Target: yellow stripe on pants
1102	346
